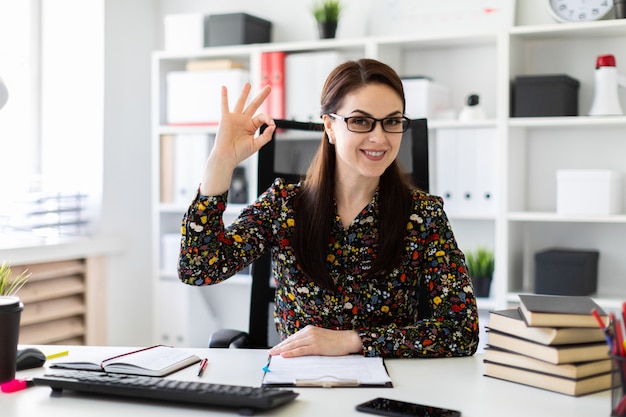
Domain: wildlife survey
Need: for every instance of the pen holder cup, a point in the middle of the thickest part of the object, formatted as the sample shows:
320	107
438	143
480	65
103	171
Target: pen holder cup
618	390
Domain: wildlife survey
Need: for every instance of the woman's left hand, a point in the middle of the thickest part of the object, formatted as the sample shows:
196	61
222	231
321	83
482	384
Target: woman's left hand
314	340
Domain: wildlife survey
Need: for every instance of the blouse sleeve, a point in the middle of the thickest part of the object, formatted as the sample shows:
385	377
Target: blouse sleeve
452	329
211	252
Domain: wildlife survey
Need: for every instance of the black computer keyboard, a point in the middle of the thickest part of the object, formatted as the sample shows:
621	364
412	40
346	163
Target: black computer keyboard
244	398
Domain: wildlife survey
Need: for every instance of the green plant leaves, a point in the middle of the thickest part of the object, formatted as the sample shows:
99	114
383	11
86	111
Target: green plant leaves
10	287
480	262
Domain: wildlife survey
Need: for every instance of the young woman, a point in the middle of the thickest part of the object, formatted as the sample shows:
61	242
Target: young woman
355	246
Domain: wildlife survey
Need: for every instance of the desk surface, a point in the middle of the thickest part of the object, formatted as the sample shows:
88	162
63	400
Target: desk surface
456	383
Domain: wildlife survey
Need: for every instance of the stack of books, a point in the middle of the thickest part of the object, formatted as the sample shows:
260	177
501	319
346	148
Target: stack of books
550	342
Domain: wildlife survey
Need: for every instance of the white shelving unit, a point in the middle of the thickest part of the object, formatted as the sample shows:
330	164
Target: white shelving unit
528	150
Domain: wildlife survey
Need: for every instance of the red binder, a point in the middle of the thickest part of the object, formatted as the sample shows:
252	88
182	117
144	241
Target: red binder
273	73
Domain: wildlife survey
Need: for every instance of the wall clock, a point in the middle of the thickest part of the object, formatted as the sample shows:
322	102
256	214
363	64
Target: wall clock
579	10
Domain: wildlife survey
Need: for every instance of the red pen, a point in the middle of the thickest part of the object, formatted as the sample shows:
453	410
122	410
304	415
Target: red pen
604	327
203	364
619	340
598	318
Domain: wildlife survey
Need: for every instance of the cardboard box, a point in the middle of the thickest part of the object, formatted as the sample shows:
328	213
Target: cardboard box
545	95
236	29
183	32
425	98
566	272
588	191
194	97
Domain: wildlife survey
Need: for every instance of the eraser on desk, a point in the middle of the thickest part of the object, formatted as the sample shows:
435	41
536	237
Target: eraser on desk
16	385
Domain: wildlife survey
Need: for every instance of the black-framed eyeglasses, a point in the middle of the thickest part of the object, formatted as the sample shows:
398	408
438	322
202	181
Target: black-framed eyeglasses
363	124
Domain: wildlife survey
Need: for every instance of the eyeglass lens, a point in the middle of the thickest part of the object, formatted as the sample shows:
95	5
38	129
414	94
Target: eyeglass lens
367	124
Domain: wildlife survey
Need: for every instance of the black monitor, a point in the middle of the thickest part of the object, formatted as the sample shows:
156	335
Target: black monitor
295	143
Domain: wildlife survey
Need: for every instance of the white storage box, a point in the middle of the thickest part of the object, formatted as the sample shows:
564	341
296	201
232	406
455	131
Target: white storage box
588	191
194	97
183	32
425	98
305	74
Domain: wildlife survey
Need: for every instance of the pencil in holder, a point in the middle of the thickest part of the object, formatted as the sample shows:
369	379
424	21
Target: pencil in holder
618	390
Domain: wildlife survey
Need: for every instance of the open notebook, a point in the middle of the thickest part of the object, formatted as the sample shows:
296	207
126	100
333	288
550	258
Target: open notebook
151	361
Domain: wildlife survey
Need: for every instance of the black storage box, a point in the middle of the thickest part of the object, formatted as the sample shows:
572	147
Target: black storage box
545	95
235	29
566	272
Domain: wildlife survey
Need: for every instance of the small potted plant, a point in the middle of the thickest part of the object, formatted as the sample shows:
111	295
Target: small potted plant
9	287
480	264
10	311
326	13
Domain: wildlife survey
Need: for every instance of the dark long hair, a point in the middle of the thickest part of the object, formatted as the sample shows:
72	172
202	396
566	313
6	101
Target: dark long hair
315	209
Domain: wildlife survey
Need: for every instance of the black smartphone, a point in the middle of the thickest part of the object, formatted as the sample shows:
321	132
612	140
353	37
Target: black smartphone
395	408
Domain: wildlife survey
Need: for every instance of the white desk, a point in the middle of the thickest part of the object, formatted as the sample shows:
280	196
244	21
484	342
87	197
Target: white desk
456	383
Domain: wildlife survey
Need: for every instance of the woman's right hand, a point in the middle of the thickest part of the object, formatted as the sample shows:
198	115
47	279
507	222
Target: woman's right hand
235	140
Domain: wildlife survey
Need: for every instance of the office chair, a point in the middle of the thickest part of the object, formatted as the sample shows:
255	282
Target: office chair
261	331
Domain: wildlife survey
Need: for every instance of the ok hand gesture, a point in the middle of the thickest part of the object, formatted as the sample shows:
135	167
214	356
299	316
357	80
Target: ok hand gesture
235	140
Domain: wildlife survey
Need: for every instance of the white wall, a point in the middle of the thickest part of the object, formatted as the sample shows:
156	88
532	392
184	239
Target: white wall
129	41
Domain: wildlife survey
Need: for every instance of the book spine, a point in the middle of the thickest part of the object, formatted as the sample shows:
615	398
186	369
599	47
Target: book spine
273	74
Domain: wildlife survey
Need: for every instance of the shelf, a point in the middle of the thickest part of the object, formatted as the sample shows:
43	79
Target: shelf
187	130
439	40
472	216
528	150
576	30
235	51
568	122
561	218
458	124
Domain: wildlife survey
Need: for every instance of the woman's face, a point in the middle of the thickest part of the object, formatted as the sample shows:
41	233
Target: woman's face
365	155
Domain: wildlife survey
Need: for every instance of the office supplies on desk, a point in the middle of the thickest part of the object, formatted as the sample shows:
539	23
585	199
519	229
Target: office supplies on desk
559	310
245	398
327	371
569	386
151	361
52	353
28	358
266	367
203	365
555	354
510	321
16	385
575	370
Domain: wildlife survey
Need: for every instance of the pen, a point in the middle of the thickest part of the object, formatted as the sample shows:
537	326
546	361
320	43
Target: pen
619	340
604	327
203	364
266	368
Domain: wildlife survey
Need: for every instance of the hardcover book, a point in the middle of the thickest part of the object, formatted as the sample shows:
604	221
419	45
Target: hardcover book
510	321
559	310
558	354
567	370
574	387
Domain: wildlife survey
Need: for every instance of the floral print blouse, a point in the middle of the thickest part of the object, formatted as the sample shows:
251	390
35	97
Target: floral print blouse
384	312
